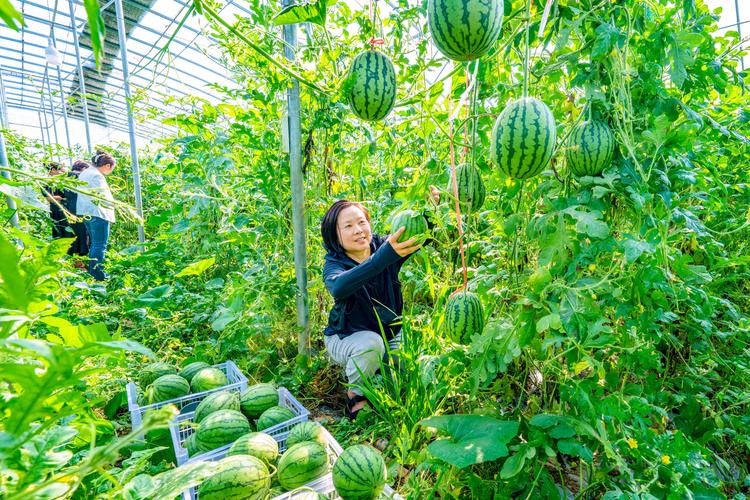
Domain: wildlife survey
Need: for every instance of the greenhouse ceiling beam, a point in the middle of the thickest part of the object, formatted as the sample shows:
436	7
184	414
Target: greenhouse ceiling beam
146	28
119	124
81	81
90	58
103	83
116	108
74	69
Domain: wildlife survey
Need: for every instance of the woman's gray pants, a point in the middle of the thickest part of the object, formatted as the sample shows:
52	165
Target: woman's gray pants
359	353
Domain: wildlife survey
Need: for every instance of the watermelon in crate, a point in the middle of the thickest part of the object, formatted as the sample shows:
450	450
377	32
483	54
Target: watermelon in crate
323	486
257	399
184	426
187	403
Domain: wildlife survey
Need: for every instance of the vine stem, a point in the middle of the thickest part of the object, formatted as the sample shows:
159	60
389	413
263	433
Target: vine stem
515	236
526	52
458	207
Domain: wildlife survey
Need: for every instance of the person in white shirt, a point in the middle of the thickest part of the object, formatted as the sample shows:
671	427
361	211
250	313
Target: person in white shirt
98	214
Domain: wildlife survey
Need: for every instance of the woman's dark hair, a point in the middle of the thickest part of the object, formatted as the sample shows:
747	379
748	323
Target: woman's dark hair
80	165
53	165
329	229
102	158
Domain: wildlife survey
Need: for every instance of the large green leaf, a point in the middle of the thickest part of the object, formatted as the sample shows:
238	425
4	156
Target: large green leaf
197	268
97	29
11	16
471	439
314	12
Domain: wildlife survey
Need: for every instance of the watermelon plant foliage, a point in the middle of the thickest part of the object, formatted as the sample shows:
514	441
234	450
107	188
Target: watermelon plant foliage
616	304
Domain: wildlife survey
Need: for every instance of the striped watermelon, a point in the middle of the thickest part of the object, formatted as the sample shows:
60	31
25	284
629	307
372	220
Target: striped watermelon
220	428
240	477
470	185
258	398
302	463
189	371
153	371
371	85
591	146
191	445
415	224
464	316
222	400
257	444
273	416
464	30
167	387
523	138
207	379
306	431
359	473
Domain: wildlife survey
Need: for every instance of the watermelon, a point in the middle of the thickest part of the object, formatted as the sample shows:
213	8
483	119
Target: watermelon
306	431
153	371
167	387
191	445
359	473
220	428
258	398
273	416
257	444
463	316
207	379
523	138
240	477
371	85
189	371
308	495
539	279
471	190
222	400
415	224
464	30
591	146
302	463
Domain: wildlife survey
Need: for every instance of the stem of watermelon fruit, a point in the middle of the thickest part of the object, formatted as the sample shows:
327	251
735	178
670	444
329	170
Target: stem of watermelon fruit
526	53
454	181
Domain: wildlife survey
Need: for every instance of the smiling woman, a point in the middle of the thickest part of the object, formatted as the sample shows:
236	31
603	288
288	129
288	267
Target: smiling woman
361	273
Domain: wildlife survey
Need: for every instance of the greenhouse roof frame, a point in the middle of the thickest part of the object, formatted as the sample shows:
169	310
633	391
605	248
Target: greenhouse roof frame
187	68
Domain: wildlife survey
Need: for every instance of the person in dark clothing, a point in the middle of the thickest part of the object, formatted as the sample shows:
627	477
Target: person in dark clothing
361	273
81	244
56	200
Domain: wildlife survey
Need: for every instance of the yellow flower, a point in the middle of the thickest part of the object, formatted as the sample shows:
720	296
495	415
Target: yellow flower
665	459
632	443
592	267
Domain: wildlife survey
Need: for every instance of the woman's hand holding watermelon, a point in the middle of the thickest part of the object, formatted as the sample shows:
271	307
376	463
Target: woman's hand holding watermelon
403	248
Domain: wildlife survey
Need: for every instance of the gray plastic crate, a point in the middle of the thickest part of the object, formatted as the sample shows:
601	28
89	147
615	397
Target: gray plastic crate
237	382
182	426
322	485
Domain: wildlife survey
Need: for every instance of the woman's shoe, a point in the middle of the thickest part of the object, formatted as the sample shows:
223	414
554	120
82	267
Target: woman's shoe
350	403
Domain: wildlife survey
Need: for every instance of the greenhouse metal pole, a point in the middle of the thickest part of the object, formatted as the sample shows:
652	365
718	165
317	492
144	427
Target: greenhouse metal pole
41	129
4	155
46	123
81	83
51	105
131	121
739	30
62	102
298	192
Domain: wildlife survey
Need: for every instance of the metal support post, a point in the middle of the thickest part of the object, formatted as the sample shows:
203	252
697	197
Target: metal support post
43	105
739	30
81	83
62	102
51	105
41	130
298	192
131	121
4	155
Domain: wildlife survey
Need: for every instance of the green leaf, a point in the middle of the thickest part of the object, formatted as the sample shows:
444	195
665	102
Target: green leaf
310	12
635	248
547	322
472	439
606	37
97	29
12	18
588	221
197	268
155	296
515	463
